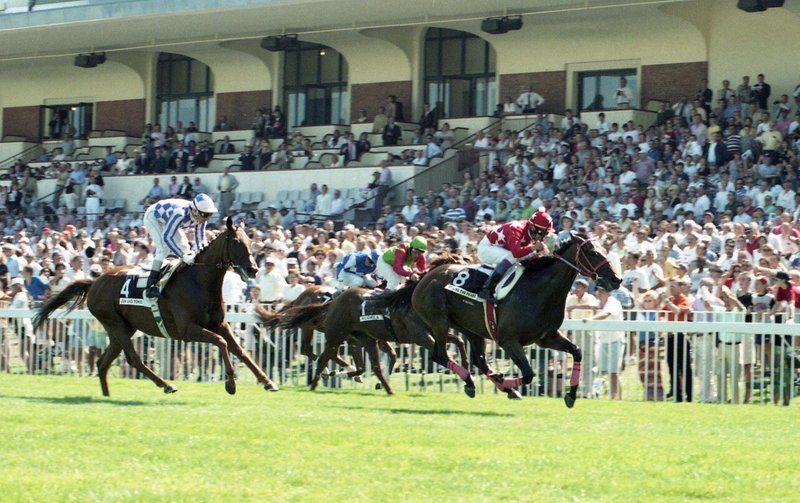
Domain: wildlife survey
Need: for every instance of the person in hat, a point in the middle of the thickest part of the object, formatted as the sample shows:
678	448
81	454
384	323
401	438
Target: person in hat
401	262
274	218
165	221
507	244
611	344
356	269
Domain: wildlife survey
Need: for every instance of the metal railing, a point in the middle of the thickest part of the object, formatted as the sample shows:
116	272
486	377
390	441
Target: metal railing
716	360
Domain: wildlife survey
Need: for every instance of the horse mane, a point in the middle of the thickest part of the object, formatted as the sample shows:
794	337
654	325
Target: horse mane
396	300
561	248
446	258
215	235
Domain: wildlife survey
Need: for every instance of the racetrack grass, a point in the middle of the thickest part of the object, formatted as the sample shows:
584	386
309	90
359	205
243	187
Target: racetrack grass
61	441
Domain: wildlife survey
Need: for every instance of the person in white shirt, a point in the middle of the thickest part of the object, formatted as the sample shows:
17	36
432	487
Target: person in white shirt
324	202
529	101
602	125
233	288
624	94
611	343
271	282
293	289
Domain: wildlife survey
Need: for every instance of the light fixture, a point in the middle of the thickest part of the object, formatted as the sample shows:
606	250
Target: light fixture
281	43
500	25
90	60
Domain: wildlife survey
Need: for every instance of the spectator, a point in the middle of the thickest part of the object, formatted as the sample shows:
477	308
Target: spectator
391	133
611	350
529	101
226	185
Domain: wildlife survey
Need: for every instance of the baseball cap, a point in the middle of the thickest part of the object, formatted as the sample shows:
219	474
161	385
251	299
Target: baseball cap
762	279
18	281
95	268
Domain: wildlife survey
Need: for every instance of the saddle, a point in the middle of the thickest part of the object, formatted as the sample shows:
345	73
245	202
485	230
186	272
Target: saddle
469	281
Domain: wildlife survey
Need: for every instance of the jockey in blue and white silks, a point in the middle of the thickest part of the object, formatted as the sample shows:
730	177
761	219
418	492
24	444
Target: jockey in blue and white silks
355	269
165	221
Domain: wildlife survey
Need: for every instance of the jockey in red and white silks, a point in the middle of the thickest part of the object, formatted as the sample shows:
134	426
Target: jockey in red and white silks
511	242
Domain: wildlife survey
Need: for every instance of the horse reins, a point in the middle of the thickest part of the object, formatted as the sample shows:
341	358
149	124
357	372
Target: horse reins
581	268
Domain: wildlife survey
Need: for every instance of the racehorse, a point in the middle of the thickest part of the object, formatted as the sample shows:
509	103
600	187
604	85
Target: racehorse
191	308
531	312
341	319
318	294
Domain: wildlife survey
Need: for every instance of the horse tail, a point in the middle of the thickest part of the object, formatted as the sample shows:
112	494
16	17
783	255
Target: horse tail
268	318
311	314
399	299
76	292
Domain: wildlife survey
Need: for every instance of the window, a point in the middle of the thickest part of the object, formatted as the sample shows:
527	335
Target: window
58	120
315	86
185	92
459	73
597	89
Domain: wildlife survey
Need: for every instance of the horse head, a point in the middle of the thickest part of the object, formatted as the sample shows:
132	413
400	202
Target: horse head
230	248
590	261
237	246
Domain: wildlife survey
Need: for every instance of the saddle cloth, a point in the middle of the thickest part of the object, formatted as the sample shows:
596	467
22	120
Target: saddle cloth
469	281
132	291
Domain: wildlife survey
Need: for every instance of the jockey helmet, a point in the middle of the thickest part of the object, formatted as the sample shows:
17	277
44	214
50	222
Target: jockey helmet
541	220
204	205
420	243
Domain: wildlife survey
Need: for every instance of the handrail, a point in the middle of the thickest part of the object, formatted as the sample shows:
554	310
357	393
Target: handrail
21	155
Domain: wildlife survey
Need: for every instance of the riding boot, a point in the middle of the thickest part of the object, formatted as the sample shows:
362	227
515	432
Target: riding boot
487	291
153	291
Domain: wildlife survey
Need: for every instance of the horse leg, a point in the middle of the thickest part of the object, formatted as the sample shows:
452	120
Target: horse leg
462	348
306	343
135	361
439	355
375	359
390	352
200	334
327	354
104	363
239	352
478	345
557	341
355	370
517	353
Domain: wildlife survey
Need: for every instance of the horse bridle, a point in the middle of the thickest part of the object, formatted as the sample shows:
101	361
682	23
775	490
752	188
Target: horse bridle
579	265
227	257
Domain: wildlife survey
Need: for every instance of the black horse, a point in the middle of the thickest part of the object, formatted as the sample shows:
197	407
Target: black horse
532	312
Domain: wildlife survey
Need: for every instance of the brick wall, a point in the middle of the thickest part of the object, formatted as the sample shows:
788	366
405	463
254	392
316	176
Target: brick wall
551	85
371	96
121	115
21	121
670	82
240	107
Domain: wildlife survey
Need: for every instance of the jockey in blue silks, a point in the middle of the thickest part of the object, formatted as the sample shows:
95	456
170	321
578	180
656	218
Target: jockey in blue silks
356	268
165	221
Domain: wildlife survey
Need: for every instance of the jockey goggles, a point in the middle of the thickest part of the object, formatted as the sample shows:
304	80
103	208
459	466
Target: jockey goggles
203	214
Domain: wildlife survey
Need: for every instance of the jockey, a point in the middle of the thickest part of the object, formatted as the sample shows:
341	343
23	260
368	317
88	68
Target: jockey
165	221
403	261
355	268
511	242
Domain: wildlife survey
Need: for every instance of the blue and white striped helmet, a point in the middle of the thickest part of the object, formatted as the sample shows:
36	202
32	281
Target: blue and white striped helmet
204	204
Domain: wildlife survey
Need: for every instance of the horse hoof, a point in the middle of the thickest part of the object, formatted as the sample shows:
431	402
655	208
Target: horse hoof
169	389
470	391
230	387
513	394
358	379
378	386
569	400
271	386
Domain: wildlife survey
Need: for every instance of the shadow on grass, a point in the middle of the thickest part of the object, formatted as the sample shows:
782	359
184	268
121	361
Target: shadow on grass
427	412
83	400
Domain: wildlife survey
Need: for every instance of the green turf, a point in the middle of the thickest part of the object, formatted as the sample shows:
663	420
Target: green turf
61	441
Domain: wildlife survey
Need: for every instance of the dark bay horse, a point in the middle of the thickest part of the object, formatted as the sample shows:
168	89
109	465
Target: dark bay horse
341	320
318	294
532	312
191	307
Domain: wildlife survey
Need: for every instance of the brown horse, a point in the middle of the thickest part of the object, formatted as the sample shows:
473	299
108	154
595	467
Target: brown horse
532	312
191	307
342	320
319	294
